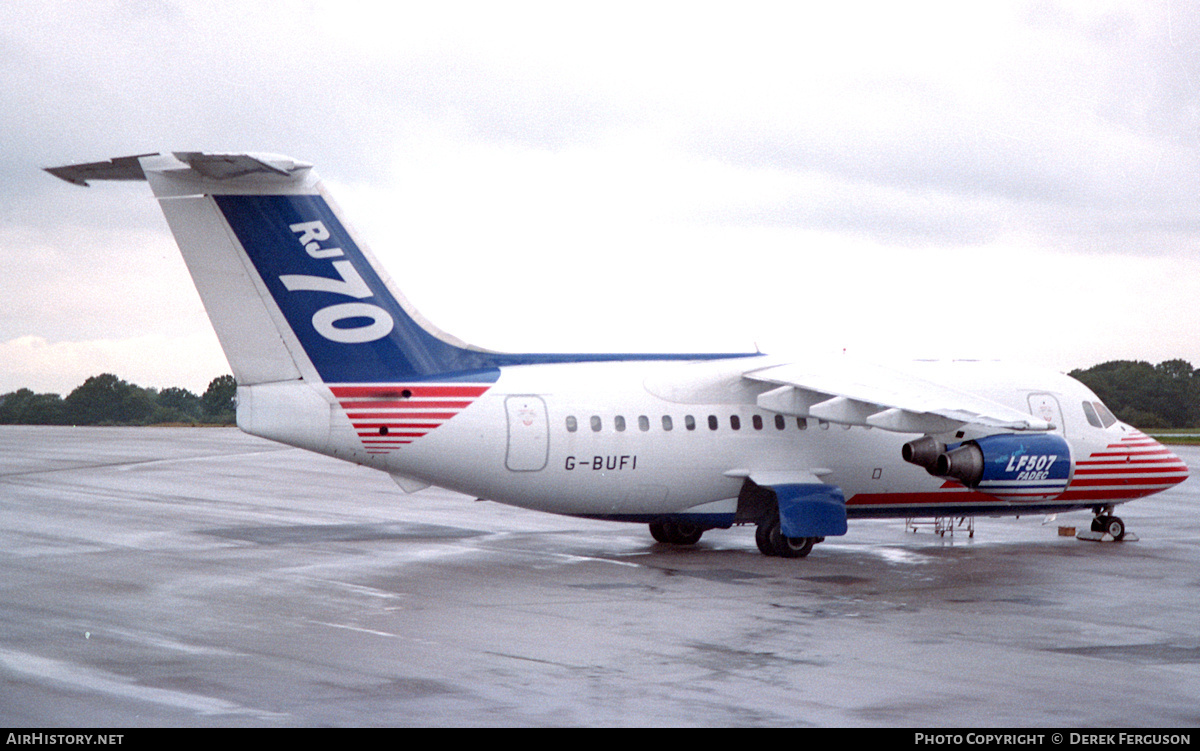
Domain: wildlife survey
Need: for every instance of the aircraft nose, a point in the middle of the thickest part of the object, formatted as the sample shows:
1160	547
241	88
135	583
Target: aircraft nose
1160	467
1175	469
1133	467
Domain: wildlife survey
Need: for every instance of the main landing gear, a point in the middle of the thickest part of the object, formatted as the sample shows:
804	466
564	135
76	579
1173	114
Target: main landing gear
676	532
772	542
769	537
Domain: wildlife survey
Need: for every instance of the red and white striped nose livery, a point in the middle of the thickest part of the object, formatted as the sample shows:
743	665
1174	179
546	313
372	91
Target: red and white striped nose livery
388	416
1135	466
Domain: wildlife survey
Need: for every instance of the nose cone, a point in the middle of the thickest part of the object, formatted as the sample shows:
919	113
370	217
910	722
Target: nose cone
1175	469
1133	467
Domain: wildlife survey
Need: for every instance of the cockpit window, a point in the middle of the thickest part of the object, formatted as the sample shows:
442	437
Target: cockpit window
1106	417
1090	412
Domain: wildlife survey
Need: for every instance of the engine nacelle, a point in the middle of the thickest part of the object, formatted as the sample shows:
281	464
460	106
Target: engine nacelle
923	451
1034	466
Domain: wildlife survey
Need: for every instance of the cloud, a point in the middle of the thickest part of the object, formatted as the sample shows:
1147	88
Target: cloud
649	173
79	282
1021	124
149	361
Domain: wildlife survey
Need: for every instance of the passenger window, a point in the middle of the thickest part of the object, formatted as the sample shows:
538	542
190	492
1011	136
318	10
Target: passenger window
802	423
735	422
823	425
572	424
667	424
689	422
1106	417
757	422
712	422
596	424
643	423
780	422
1090	413
619	423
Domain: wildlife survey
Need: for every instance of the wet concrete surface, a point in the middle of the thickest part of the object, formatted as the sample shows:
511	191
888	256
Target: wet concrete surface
166	577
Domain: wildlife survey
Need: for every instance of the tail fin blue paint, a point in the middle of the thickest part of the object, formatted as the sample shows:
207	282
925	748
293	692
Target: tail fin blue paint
348	322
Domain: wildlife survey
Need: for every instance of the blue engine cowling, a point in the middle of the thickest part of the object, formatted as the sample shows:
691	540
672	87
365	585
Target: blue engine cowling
1026	467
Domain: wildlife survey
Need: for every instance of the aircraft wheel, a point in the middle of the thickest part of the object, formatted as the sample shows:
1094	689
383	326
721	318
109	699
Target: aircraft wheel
1098	523
771	541
762	536
790	547
1115	527
676	533
685	533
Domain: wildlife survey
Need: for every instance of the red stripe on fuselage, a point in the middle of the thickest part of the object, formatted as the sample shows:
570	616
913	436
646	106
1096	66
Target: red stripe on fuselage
1115	471
402	414
415	392
914	499
406	411
407	404
1162	481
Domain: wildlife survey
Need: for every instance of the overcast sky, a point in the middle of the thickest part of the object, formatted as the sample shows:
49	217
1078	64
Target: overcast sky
1014	180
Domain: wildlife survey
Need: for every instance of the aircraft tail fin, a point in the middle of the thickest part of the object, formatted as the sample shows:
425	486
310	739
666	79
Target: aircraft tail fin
291	292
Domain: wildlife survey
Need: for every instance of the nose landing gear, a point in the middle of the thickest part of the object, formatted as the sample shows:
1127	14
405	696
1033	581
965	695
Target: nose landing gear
1110	525
1106	527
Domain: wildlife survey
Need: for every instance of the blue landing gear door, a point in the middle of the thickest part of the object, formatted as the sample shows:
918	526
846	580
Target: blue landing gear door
807	506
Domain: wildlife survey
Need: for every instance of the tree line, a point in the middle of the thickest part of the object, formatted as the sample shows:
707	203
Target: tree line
1146	396
107	400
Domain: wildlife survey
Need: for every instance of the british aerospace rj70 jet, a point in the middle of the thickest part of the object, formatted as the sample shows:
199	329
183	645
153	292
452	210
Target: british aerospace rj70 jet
329	356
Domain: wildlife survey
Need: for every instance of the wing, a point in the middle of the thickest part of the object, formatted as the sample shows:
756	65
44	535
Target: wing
849	392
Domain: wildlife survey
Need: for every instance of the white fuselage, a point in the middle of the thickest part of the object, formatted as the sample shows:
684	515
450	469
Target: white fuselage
636	440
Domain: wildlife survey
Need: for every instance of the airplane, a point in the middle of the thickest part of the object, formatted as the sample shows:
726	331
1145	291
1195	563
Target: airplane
329	356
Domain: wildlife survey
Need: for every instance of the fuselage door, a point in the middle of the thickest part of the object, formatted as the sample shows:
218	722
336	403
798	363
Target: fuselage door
1046	407
528	433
